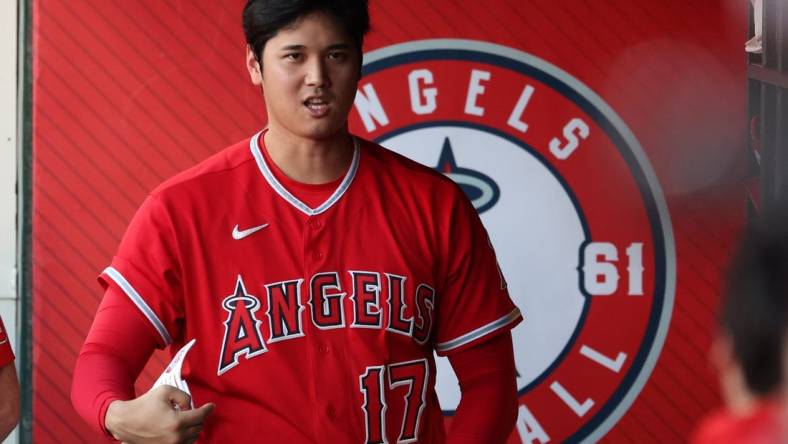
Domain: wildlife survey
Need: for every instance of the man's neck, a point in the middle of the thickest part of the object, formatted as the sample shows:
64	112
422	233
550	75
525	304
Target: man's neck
307	160
740	400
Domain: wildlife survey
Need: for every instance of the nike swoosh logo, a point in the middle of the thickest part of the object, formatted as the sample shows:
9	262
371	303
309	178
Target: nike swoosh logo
240	234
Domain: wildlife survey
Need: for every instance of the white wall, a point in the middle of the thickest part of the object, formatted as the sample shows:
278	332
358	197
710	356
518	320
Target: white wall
8	147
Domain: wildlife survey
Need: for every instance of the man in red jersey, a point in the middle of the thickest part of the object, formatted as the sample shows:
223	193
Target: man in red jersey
750	352
9	386
317	272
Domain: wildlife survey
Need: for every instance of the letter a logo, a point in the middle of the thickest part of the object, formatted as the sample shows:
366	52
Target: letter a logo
241	329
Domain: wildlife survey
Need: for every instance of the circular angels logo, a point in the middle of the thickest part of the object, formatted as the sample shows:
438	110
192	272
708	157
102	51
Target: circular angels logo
573	209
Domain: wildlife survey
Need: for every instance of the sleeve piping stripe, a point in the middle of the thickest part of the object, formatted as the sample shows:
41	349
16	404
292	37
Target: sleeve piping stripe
479	332
139	302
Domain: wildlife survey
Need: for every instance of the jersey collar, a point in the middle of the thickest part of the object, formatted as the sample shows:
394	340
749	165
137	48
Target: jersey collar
254	146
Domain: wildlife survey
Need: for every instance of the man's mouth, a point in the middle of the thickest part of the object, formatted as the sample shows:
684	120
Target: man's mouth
318	106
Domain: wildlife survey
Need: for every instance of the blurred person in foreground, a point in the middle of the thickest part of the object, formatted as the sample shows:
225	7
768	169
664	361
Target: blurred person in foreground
9	387
750	351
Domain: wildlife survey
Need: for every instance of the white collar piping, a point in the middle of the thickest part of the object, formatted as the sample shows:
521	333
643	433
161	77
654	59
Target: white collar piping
286	195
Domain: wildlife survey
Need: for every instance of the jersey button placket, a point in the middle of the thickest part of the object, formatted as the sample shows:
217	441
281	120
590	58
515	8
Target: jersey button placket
313	228
320	350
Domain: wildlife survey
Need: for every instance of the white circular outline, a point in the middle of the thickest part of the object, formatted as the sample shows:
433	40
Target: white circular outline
640	156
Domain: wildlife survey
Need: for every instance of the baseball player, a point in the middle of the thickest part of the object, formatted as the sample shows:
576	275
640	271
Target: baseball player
317	272
9	386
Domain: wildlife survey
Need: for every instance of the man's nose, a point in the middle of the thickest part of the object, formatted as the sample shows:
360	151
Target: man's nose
317	73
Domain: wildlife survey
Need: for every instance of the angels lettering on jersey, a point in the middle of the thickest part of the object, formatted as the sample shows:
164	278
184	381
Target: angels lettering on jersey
371	296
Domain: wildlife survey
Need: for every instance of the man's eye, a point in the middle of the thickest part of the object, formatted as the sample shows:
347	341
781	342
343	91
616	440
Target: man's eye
293	56
336	55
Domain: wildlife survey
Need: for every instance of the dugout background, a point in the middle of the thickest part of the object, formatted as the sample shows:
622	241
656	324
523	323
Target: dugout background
125	94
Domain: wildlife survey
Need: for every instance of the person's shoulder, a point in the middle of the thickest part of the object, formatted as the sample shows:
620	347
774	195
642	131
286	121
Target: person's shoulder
712	427
215	171
407	172
762	425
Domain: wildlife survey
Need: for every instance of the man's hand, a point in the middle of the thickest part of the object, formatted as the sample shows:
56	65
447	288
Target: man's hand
160	416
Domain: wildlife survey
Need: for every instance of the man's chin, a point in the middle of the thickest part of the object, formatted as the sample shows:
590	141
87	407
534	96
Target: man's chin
324	132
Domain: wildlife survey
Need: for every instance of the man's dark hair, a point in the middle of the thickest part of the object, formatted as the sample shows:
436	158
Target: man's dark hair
262	19
755	305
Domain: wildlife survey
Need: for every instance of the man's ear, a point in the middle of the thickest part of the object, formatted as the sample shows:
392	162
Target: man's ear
253	66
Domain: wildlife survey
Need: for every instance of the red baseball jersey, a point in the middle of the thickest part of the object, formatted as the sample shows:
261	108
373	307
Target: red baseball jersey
314	322
6	354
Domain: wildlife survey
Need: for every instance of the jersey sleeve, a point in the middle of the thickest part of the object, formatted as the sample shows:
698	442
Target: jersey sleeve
473	300
6	354
146	269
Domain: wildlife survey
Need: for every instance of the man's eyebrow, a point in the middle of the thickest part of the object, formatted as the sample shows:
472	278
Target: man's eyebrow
292	47
302	47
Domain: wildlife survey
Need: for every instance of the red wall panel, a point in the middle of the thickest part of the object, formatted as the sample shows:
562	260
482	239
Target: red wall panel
128	93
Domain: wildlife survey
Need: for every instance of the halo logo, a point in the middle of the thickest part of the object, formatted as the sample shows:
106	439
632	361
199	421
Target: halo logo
573	209
482	191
